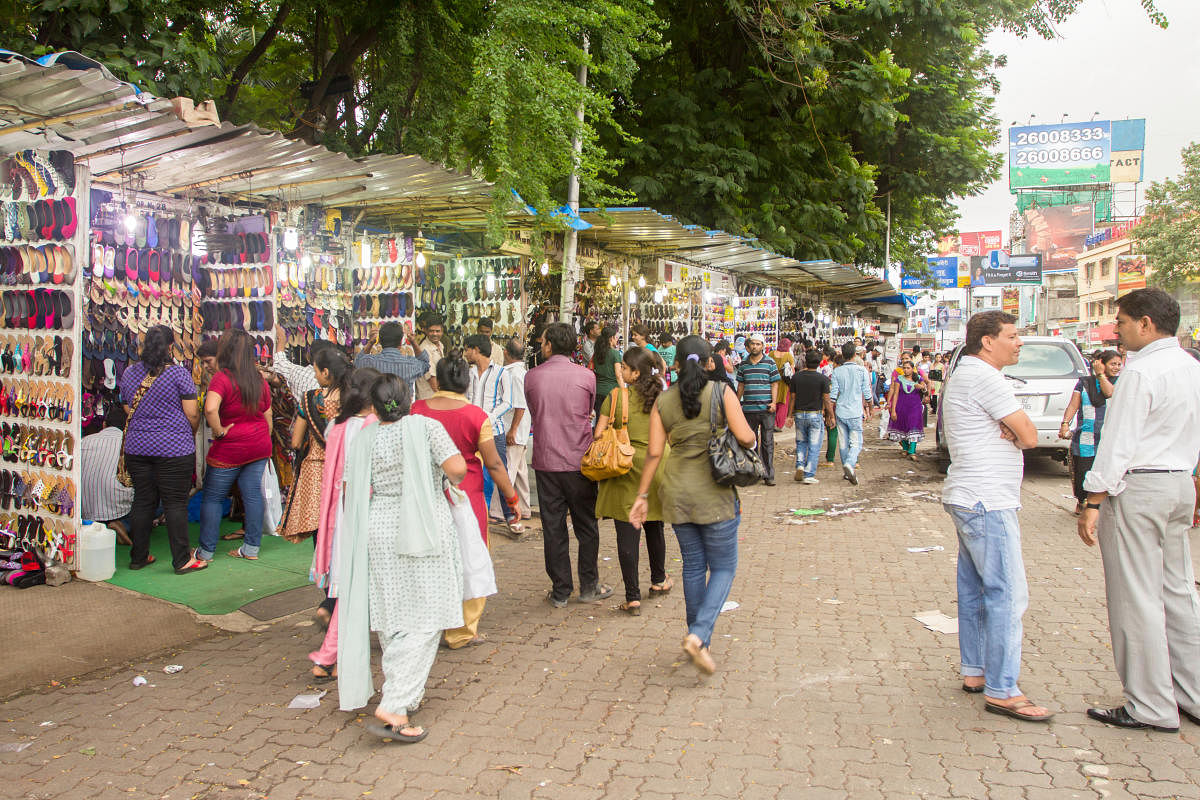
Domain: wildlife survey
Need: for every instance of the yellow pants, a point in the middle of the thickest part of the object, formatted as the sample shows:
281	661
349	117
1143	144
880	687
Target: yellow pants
472	611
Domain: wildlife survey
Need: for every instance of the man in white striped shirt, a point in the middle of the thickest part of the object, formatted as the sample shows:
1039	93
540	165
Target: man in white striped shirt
492	389
102	497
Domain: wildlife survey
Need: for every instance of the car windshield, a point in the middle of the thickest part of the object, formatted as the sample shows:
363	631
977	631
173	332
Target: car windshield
1044	360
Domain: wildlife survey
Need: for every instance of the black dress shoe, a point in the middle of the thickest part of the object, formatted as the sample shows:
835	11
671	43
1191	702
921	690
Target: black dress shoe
1120	717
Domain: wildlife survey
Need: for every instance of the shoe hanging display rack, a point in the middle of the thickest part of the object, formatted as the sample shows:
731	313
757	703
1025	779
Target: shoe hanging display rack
44	208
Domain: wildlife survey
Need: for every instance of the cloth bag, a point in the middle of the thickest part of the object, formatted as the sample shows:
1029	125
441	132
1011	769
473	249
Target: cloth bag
479	577
123	476
611	454
732	464
272	501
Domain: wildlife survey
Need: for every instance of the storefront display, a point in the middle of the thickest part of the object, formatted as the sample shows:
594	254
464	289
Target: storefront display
718	317
488	287
757	315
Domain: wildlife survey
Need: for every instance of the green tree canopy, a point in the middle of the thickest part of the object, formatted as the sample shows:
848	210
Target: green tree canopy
1169	235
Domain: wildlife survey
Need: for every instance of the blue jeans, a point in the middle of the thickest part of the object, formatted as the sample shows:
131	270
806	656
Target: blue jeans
992	596
217	483
710	554
850	440
809	427
489	485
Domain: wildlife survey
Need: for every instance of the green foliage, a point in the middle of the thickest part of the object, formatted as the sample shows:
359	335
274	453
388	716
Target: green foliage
1169	235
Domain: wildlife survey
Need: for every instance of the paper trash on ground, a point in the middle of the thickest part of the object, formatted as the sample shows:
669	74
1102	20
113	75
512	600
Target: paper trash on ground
140	681
307	700
930	549
730	605
937	622
14	747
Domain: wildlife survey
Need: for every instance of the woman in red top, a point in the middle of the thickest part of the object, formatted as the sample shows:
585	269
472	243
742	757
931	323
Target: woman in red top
238	410
470	429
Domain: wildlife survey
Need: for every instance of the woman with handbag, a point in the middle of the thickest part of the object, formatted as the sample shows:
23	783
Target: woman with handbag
471	430
703	513
628	408
159	450
404	581
238	411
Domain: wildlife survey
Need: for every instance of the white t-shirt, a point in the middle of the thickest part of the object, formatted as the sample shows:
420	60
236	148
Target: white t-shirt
984	467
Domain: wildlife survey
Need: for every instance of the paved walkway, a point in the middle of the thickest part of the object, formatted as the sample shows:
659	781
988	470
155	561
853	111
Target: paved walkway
827	686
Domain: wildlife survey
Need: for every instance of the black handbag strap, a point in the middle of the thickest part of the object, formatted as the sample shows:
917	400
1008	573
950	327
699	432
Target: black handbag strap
716	398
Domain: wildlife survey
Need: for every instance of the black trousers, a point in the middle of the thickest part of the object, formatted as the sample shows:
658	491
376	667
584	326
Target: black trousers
763	425
1079	470
558	493
167	480
629	540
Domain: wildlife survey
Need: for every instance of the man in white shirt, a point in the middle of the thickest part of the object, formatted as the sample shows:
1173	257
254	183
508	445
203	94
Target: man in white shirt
492	390
986	430
431	344
517	438
1140	503
101	496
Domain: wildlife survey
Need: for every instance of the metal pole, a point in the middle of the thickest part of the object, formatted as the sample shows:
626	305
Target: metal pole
570	263
887	242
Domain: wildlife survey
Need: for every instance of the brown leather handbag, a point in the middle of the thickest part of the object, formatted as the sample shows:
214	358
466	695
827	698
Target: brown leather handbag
611	455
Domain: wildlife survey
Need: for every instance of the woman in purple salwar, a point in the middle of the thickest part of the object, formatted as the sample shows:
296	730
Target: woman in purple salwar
906	413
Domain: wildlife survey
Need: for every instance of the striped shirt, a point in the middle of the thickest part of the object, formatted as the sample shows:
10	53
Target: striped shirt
496	392
101	496
757	381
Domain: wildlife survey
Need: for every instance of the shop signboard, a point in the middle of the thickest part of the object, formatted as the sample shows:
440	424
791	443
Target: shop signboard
943	318
1128	145
1010	300
1131	273
1059	234
1069	154
1001	269
943	268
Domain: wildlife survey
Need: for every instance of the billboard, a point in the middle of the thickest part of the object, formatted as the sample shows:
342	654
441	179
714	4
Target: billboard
1010	301
1070	154
978	243
945	273
1131	273
1128	143
1058	234
1001	269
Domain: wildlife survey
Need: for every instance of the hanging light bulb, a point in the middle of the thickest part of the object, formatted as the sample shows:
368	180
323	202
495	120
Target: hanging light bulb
420	260
366	253
306	261
641	281
489	283
632	296
545	267
658	295
462	270
130	221
291	238
612	279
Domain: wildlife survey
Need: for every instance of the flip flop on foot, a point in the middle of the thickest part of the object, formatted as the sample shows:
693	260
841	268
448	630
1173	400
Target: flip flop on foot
193	565
398	734
699	654
322	673
149	560
231	537
662	588
239	554
1017	708
972	688
633	608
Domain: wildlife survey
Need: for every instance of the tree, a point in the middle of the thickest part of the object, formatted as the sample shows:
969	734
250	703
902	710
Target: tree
1169	234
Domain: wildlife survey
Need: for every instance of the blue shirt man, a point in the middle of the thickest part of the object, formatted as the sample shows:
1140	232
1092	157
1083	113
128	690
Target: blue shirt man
850	390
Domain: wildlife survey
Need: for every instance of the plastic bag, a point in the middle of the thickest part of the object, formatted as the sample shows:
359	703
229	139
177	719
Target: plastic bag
479	578
272	502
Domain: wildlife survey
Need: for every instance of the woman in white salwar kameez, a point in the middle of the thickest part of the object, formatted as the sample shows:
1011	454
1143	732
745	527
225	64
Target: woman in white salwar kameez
402	570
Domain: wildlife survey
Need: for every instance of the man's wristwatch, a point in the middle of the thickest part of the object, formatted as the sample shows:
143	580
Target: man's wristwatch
1093	505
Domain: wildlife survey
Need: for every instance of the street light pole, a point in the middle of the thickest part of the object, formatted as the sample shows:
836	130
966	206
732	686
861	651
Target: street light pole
571	244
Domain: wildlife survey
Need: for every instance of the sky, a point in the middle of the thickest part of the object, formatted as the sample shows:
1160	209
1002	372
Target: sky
1108	58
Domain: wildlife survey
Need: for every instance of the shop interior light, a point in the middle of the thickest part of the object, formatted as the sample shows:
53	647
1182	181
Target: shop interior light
658	295
420	260
306	261
545	267
462	270
612	279
641	281
366	253
633	295
489	283
291	239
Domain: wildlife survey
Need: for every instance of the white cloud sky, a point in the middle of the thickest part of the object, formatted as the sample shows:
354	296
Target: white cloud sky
1109	58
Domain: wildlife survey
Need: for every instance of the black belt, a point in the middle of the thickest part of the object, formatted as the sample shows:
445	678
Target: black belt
1154	471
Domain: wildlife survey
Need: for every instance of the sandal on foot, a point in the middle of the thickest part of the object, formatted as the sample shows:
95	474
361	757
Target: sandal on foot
328	672
149	560
390	733
233	537
665	588
699	654
972	689
193	565
239	554
1014	711
631	609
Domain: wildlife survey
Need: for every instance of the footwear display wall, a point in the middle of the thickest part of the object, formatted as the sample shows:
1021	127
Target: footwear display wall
41	240
491	287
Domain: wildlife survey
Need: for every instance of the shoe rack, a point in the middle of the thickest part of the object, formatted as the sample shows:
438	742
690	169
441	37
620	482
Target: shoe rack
383	285
43	199
672	314
717	317
235	278
757	315
489	286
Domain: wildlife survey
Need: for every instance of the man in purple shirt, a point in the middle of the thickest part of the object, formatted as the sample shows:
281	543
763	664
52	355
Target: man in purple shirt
560	395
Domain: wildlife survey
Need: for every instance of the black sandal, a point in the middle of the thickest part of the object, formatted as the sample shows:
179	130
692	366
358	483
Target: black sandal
330	673
665	588
389	733
149	560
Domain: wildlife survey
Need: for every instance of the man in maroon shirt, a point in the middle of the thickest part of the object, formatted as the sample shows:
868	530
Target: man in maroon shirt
560	395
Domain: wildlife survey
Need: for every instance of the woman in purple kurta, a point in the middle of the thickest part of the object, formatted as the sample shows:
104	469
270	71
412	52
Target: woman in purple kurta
906	418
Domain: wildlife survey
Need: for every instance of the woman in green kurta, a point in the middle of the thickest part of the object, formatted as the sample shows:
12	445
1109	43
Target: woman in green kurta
639	387
605	359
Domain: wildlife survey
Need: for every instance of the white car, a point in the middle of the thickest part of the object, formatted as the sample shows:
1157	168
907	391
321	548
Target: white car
1043	378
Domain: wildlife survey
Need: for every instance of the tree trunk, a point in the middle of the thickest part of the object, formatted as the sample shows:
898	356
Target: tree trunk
348	53
258	51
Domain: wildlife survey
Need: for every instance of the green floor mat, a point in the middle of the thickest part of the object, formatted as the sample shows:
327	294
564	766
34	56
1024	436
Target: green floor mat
228	583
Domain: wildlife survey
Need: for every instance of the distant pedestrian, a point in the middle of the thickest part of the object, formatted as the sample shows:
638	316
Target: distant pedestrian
1140	503
704	515
906	402
986	430
850	390
605	359
394	360
561	395
757	378
813	410
785	362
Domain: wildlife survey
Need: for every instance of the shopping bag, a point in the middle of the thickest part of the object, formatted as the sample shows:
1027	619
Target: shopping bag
272	501
479	578
883	422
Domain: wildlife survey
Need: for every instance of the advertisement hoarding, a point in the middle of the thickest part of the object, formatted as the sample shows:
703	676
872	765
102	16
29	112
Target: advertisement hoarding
1010	300
1128	144
1001	269
1058	234
978	243
945	273
1070	154
1131	273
